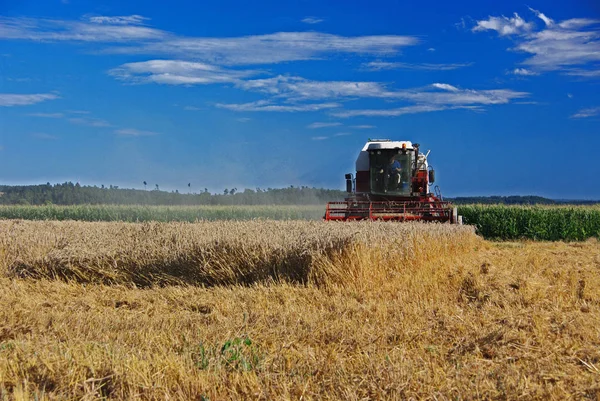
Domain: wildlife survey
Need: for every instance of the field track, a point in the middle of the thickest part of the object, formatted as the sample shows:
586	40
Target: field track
283	310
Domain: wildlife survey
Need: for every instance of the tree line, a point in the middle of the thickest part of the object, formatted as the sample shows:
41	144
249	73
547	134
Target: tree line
74	194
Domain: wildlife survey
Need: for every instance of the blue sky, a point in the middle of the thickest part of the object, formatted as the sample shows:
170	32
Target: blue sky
268	94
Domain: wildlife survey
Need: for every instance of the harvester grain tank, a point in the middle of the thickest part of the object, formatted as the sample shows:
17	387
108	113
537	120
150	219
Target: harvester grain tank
392	182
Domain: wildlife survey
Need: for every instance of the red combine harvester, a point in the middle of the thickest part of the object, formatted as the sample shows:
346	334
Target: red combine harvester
392	183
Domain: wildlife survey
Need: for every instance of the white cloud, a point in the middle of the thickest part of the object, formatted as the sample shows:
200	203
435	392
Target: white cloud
390	112
445	87
270	48
431	49
11	99
264	105
524	72
70	115
177	72
312	20
134	132
77	31
291	91
568	46
577	23
438	97
46	115
504	25
383	65
323	125
363	126
580	72
589	112
547	21
319	138
342	134
128	37
299	88
89	121
122	20
556	48
454	96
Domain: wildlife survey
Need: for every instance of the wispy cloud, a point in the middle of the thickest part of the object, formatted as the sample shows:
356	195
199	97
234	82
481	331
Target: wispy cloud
540	15
364	126
177	72
384	65
289	93
524	72
571	46
122	20
504	25
89	121
312	20
134	132
319	138
265	105
46	115
589	112
79	117
439	97
446	87
300	88
394	112
39	29
323	125
243	119
127	36
342	134
12	99
579	72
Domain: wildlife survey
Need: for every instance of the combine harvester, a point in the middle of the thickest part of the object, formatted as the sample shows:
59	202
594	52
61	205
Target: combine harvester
392	183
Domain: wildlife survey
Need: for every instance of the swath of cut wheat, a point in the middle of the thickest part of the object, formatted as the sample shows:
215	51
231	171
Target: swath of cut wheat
220	252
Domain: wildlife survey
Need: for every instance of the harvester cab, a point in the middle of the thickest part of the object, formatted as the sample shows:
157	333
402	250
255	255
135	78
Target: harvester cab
392	182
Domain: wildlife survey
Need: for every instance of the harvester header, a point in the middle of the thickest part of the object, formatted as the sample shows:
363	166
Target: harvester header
392	182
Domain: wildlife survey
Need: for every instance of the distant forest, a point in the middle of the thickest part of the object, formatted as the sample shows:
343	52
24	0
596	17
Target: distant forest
75	194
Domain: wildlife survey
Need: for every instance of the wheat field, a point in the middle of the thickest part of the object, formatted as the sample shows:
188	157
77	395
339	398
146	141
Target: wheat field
293	310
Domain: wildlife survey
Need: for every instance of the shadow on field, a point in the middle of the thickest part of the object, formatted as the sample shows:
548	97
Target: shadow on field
215	265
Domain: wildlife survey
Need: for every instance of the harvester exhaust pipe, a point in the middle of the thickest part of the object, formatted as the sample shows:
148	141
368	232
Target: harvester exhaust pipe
416	146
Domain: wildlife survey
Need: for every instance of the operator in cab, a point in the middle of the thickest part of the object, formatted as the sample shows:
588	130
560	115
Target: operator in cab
394	170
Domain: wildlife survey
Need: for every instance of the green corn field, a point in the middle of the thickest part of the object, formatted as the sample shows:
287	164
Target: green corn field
497	222
544	223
